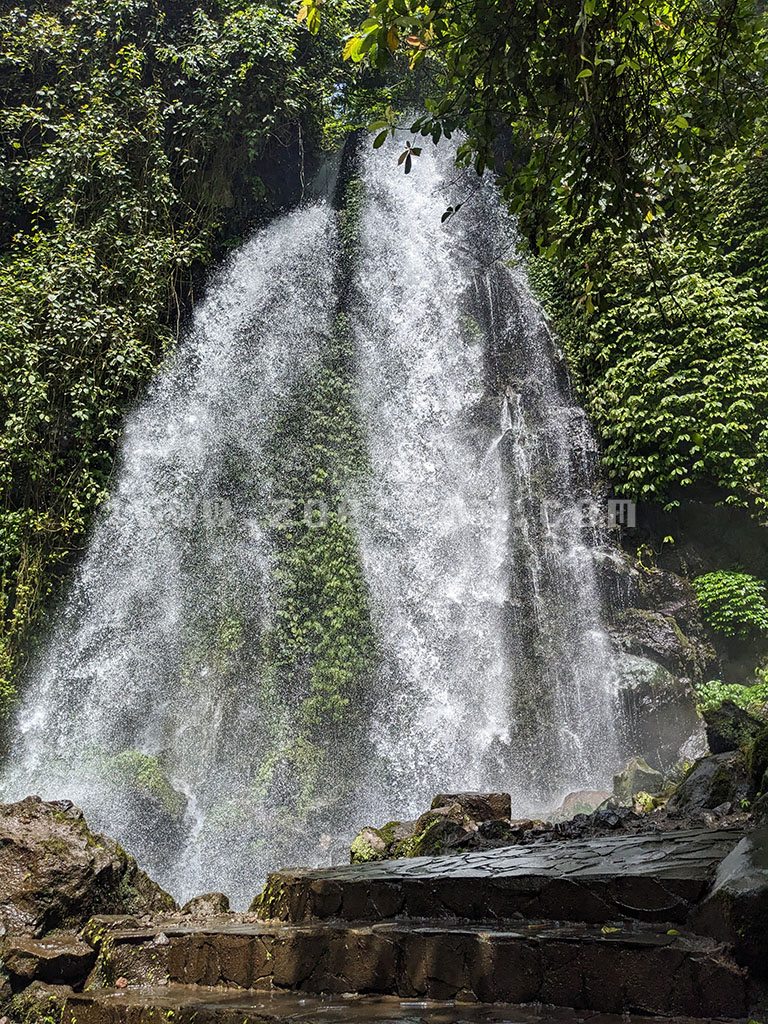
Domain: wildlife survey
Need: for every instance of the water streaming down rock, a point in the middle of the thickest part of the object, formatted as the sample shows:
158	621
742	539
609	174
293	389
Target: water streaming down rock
494	670
154	667
480	527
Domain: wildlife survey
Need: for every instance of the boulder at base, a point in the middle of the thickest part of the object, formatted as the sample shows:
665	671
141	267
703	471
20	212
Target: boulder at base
210	904
56	873
736	910
637	777
661	723
730	727
455	822
714	782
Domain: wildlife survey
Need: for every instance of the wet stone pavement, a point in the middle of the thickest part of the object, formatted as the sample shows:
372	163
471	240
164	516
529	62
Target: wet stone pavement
622	929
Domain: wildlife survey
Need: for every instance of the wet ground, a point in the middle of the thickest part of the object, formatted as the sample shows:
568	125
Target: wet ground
211	1005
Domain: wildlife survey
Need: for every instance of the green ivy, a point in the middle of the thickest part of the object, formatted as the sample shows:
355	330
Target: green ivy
732	603
321	649
667	348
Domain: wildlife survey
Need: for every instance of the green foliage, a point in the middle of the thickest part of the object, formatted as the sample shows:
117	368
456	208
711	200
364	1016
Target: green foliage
135	135
134	770
608	105
322	623
629	140
732	603
712	694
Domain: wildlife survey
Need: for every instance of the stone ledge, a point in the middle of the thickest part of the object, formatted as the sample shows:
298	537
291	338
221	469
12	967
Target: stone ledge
611	969
657	877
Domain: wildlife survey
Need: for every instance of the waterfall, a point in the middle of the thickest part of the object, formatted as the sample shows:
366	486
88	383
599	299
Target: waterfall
158	704
480	524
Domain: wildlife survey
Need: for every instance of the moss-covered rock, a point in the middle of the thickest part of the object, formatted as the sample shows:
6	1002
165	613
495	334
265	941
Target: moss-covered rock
56	873
145	777
209	904
757	760
730	727
713	782
452	822
637	777
37	1004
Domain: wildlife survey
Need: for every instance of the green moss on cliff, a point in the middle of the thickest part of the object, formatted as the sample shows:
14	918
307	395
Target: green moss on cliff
671	362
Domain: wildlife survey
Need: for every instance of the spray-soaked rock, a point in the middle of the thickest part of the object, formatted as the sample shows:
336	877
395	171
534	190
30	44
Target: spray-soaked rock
477	806
56	873
736	909
210	904
637	777
712	783
60	959
730	727
453	821
659	715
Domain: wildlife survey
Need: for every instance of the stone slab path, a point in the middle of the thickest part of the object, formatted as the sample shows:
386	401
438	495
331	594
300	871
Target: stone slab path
603	926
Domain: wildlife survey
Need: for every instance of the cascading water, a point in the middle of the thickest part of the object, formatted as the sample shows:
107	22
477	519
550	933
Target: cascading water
475	532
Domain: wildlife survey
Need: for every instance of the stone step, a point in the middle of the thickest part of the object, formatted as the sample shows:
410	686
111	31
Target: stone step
658	877
632	967
185	1004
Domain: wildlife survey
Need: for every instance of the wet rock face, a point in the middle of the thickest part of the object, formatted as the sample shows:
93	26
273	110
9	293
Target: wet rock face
637	777
656	616
56	873
477	806
455	821
736	910
63	959
663	649
210	904
659	713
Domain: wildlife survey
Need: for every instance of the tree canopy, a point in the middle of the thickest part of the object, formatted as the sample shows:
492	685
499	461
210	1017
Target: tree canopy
581	107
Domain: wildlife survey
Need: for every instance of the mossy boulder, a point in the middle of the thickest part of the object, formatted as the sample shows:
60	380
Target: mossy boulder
757	763
451	823
637	777
55	873
209	904
38	1003
368	845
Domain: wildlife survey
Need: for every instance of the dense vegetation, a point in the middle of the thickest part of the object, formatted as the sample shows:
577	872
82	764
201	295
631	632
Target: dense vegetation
732	602
672	363
582	107
137	136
